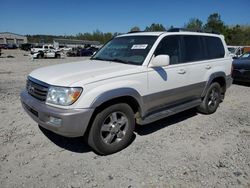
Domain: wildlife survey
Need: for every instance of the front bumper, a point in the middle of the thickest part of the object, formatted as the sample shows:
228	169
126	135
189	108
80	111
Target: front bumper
241	75
74	122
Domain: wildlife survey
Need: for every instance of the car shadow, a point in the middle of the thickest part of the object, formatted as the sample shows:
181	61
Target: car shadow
241	83
76	145
168	121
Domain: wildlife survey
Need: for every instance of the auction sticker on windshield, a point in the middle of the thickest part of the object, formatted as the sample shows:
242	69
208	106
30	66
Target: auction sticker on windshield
139	46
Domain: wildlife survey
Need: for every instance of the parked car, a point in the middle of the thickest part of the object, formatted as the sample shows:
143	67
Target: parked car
241	68
235	51
9	46
47	54
42	48
86	52
94	49
89	51
73	52
3	46
64	49
135	78
26	46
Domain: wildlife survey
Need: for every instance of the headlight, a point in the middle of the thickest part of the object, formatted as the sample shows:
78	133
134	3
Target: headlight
62	95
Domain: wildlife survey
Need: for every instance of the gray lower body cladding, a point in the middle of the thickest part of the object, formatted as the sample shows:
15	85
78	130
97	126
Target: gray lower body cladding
73	122
173	97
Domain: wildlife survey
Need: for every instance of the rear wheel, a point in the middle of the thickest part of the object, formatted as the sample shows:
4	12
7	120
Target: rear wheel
211	100
112	129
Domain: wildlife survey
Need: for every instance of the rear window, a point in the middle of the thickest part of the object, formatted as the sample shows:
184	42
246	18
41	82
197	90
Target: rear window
214	47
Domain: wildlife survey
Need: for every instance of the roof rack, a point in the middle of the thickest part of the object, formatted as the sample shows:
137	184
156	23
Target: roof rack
191	30
135	31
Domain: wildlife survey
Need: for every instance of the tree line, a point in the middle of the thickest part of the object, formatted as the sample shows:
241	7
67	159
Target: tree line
234	35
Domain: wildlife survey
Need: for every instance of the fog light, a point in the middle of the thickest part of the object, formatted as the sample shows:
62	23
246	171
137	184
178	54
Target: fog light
55	121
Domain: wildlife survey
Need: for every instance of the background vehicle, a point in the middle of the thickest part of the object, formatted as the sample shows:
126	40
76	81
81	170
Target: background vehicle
47	54
86	52
8	46
235	51
3	46
26	46
64	49
42	48
73	52
241	68
89	51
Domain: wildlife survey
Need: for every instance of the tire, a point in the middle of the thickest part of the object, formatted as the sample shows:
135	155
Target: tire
58	56
112	129
211	100
39	56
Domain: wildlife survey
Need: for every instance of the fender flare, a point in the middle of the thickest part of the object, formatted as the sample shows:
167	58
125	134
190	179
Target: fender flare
116	93
210	80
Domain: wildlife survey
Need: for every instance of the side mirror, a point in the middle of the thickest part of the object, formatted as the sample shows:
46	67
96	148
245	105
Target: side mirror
160	61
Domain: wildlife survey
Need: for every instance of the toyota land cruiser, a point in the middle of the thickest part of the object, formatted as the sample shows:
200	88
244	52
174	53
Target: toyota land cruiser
135	78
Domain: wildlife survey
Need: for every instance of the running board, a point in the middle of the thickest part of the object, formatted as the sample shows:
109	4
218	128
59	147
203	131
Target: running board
168	112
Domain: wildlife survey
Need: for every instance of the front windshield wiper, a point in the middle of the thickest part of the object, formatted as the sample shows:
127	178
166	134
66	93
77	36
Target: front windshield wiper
119	60
115	60
97	58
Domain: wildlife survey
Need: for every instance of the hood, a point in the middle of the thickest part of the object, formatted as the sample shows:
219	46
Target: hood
241	64
85	71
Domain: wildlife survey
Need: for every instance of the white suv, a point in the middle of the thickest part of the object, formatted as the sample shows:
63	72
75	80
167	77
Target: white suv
135	78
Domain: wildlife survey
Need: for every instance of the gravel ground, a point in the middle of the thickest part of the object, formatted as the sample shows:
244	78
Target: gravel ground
186	150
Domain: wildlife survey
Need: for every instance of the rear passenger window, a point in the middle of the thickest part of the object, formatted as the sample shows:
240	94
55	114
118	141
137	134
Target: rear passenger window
171	45
215	48
194	50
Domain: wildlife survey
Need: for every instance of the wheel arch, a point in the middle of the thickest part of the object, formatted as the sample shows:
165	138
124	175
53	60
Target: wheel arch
125	95
108	98
219	77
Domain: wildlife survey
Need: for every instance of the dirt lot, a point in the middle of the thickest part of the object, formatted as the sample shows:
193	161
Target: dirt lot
185	150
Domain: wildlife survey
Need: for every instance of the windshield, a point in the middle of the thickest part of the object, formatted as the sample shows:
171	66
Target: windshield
245	56
128	49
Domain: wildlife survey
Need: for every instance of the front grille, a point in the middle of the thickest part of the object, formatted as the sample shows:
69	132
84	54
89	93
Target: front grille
37	89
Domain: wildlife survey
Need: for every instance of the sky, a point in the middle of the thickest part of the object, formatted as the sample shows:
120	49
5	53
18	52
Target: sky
69	17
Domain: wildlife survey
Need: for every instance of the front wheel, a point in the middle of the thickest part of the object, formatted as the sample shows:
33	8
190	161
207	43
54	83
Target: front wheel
58	56
112	129
211	100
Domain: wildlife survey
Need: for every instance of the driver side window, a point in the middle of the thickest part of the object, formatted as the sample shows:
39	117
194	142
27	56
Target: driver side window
170	45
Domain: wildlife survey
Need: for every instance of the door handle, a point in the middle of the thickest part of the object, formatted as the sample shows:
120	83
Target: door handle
208	67
181	71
